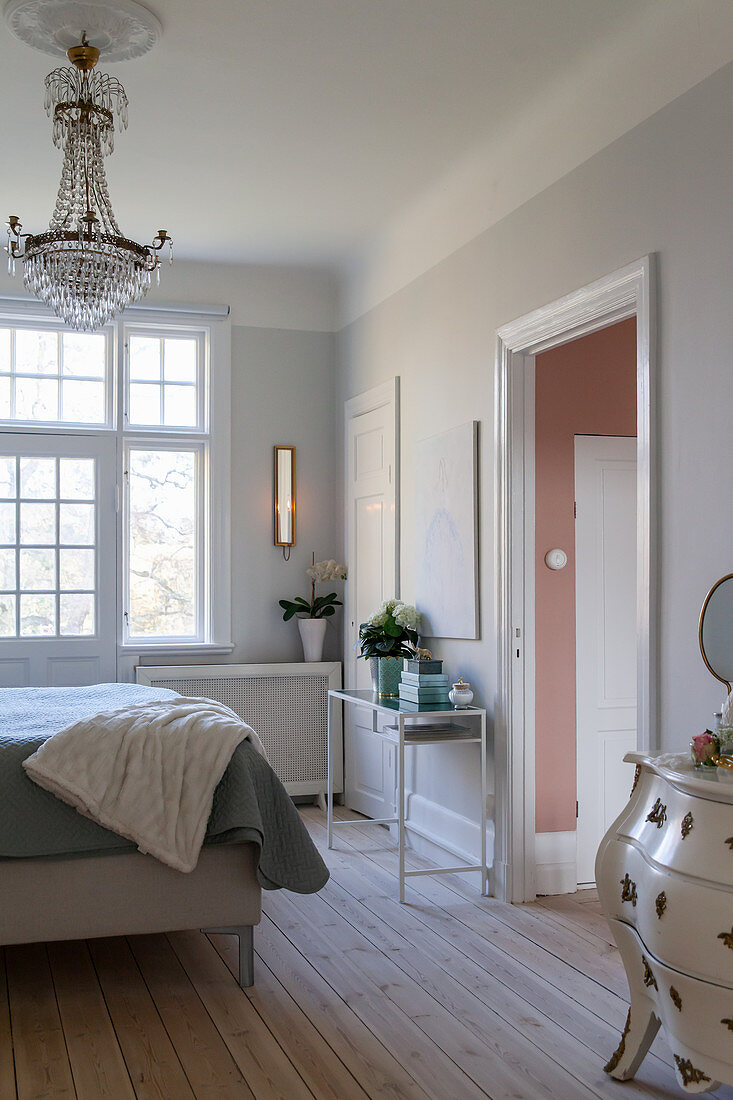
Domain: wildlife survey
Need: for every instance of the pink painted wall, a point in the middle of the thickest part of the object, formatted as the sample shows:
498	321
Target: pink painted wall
587	387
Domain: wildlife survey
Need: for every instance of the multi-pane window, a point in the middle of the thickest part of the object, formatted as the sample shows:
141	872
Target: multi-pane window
140	391
51	376
165	494
164	542
48	530
164	388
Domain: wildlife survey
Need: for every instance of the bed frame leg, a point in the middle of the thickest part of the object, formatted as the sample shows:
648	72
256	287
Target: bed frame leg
245	935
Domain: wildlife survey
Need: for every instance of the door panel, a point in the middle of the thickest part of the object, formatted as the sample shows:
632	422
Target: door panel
371	498
605	590
58	575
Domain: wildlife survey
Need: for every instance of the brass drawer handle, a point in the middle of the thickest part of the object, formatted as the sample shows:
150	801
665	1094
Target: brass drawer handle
688	823
676	999
660	904
658	813
628	891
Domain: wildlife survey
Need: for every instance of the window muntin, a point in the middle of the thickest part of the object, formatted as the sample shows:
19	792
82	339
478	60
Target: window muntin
48	532
164	542
53	376
165	381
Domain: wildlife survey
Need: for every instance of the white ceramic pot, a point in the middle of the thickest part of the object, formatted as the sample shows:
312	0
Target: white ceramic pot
461	695
312	635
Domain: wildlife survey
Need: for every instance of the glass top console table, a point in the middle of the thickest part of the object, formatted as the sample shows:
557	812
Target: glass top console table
413	727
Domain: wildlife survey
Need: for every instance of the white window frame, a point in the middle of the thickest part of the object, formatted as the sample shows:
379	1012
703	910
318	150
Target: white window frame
34	320
203	377
213	438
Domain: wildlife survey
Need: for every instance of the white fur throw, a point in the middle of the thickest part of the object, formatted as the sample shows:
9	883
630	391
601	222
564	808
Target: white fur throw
147	771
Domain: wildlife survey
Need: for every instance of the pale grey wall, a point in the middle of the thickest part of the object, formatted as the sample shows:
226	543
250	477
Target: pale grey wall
282	392
664	188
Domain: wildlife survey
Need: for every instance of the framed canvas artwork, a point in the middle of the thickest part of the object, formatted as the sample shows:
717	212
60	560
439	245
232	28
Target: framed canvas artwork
446	533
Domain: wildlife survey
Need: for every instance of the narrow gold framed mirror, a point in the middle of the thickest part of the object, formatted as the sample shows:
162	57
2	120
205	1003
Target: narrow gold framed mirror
284	498
715	630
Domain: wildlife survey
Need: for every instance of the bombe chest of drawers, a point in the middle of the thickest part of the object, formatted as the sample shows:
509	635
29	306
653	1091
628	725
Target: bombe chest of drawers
665	881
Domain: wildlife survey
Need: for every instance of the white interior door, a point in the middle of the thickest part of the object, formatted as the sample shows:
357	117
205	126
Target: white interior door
605	616
58	568
371	553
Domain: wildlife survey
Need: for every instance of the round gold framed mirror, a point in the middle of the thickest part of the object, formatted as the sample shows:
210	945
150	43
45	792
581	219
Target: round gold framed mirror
715	631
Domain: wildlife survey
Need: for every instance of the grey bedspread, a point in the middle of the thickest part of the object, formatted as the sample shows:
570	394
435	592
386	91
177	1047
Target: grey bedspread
250	803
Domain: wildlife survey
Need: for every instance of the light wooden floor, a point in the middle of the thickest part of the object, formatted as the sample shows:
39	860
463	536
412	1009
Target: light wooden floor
451	996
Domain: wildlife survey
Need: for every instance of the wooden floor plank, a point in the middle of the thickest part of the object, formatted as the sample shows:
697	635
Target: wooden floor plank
97	1064
7	1061
504	1059
41	1061
211	1071
449	997
437	1075
533	1039
260	1058
377	1066
152	1062
321	1068
546	947
580	1004
428	894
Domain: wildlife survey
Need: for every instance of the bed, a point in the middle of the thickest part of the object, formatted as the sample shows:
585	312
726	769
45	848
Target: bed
62	876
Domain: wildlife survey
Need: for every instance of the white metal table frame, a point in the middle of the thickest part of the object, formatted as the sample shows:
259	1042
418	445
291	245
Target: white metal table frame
403	737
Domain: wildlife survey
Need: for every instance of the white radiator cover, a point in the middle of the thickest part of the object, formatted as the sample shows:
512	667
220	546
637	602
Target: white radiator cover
286	705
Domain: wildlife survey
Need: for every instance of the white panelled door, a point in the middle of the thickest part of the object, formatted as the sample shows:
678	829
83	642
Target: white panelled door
371	554
58	561
605	614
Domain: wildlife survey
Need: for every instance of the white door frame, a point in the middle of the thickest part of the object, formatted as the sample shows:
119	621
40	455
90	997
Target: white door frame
388	393
628	292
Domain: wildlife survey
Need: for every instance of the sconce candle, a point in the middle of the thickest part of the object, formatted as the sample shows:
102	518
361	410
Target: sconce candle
285	498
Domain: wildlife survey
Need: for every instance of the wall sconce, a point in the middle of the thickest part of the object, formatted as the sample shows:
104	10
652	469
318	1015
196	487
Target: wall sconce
285	499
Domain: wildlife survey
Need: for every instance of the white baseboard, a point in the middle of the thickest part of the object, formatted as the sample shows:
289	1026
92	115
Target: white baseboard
442	830
556	862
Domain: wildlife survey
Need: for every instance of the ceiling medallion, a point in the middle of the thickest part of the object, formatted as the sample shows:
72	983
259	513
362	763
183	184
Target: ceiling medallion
82	266
121	29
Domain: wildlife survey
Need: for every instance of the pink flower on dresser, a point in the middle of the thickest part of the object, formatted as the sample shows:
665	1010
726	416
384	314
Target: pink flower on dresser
703	746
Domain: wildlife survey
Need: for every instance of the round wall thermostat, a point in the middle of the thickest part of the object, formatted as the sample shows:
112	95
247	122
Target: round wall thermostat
556	559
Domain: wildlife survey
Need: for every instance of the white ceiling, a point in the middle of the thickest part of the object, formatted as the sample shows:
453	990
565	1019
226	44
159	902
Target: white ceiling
291	131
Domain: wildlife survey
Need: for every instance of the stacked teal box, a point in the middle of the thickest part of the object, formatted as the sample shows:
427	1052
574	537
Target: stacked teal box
419	687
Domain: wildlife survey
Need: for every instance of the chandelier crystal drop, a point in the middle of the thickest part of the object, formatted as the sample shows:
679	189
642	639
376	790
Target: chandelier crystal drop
82	266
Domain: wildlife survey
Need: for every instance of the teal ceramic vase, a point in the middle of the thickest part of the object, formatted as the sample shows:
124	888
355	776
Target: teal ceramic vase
390	670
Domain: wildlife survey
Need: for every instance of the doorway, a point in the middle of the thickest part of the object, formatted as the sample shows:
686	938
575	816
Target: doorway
605	637
627	293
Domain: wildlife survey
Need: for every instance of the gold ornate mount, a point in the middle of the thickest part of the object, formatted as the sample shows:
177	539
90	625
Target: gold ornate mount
688	1073
618	1054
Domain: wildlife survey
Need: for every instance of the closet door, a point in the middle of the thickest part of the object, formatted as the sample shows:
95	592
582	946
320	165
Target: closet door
58	560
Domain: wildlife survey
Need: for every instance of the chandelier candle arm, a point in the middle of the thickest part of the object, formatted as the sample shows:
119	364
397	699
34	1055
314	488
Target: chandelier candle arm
82	266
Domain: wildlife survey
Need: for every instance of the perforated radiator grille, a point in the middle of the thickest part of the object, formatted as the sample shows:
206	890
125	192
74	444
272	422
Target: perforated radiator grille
289	713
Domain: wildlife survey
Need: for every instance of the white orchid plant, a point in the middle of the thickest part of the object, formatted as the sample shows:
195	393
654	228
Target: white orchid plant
391	631
318	607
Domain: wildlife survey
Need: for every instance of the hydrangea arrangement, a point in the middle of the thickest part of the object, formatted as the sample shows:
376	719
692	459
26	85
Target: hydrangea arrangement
318	607
391	631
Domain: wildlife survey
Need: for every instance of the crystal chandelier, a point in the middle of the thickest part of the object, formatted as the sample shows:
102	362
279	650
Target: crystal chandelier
82	266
